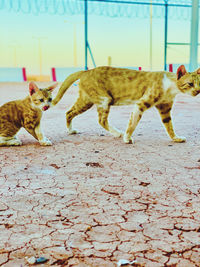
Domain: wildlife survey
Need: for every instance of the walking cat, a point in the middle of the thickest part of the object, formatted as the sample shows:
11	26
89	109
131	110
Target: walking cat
25	113
107	86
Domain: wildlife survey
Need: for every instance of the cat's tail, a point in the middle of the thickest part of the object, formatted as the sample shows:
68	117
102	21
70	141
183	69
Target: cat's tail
66	84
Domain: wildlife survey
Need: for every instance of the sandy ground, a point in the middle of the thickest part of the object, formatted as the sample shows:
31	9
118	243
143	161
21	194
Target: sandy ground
91	200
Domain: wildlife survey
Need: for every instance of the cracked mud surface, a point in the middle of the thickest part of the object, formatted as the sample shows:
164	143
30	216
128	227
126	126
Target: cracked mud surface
91	200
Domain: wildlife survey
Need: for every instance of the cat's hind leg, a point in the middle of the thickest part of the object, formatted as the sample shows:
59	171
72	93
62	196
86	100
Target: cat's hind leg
165	114
10	141
81	105
103	111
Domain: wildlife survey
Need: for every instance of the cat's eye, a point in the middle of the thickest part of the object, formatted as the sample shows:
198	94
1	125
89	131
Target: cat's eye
50	99
41	100
191	84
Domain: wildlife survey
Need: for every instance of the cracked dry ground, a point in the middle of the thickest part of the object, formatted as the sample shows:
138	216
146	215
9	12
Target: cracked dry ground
91	200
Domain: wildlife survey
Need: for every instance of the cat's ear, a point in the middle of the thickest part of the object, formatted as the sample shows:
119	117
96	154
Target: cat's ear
33	88
198	71
52	87
181	71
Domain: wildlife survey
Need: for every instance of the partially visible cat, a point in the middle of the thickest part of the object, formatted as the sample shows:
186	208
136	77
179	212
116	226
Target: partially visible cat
25	113
107	86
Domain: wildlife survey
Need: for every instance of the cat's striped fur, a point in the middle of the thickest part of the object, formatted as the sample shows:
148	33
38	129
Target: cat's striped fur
107	86
25	113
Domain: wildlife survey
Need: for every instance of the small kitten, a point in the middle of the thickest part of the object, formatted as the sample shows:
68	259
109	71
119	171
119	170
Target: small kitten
25	113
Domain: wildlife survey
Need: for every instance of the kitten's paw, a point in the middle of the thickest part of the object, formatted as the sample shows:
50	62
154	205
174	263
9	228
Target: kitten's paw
127	140
179	139
14	142
45	142
70	132
17	143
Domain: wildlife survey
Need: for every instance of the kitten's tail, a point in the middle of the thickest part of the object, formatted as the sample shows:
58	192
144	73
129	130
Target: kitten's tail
66	84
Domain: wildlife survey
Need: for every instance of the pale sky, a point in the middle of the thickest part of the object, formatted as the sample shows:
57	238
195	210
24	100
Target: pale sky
126	40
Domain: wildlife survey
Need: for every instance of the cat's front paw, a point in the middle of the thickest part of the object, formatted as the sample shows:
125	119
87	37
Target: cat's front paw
179	139
127	140
117	134
45	142
15	142
70	132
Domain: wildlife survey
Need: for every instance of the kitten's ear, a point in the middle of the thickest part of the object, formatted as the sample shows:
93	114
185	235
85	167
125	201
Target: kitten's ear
181	71
32	88
198	71
52	87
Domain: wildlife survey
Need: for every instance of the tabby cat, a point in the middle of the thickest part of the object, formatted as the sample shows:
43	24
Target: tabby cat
107	86
25	113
